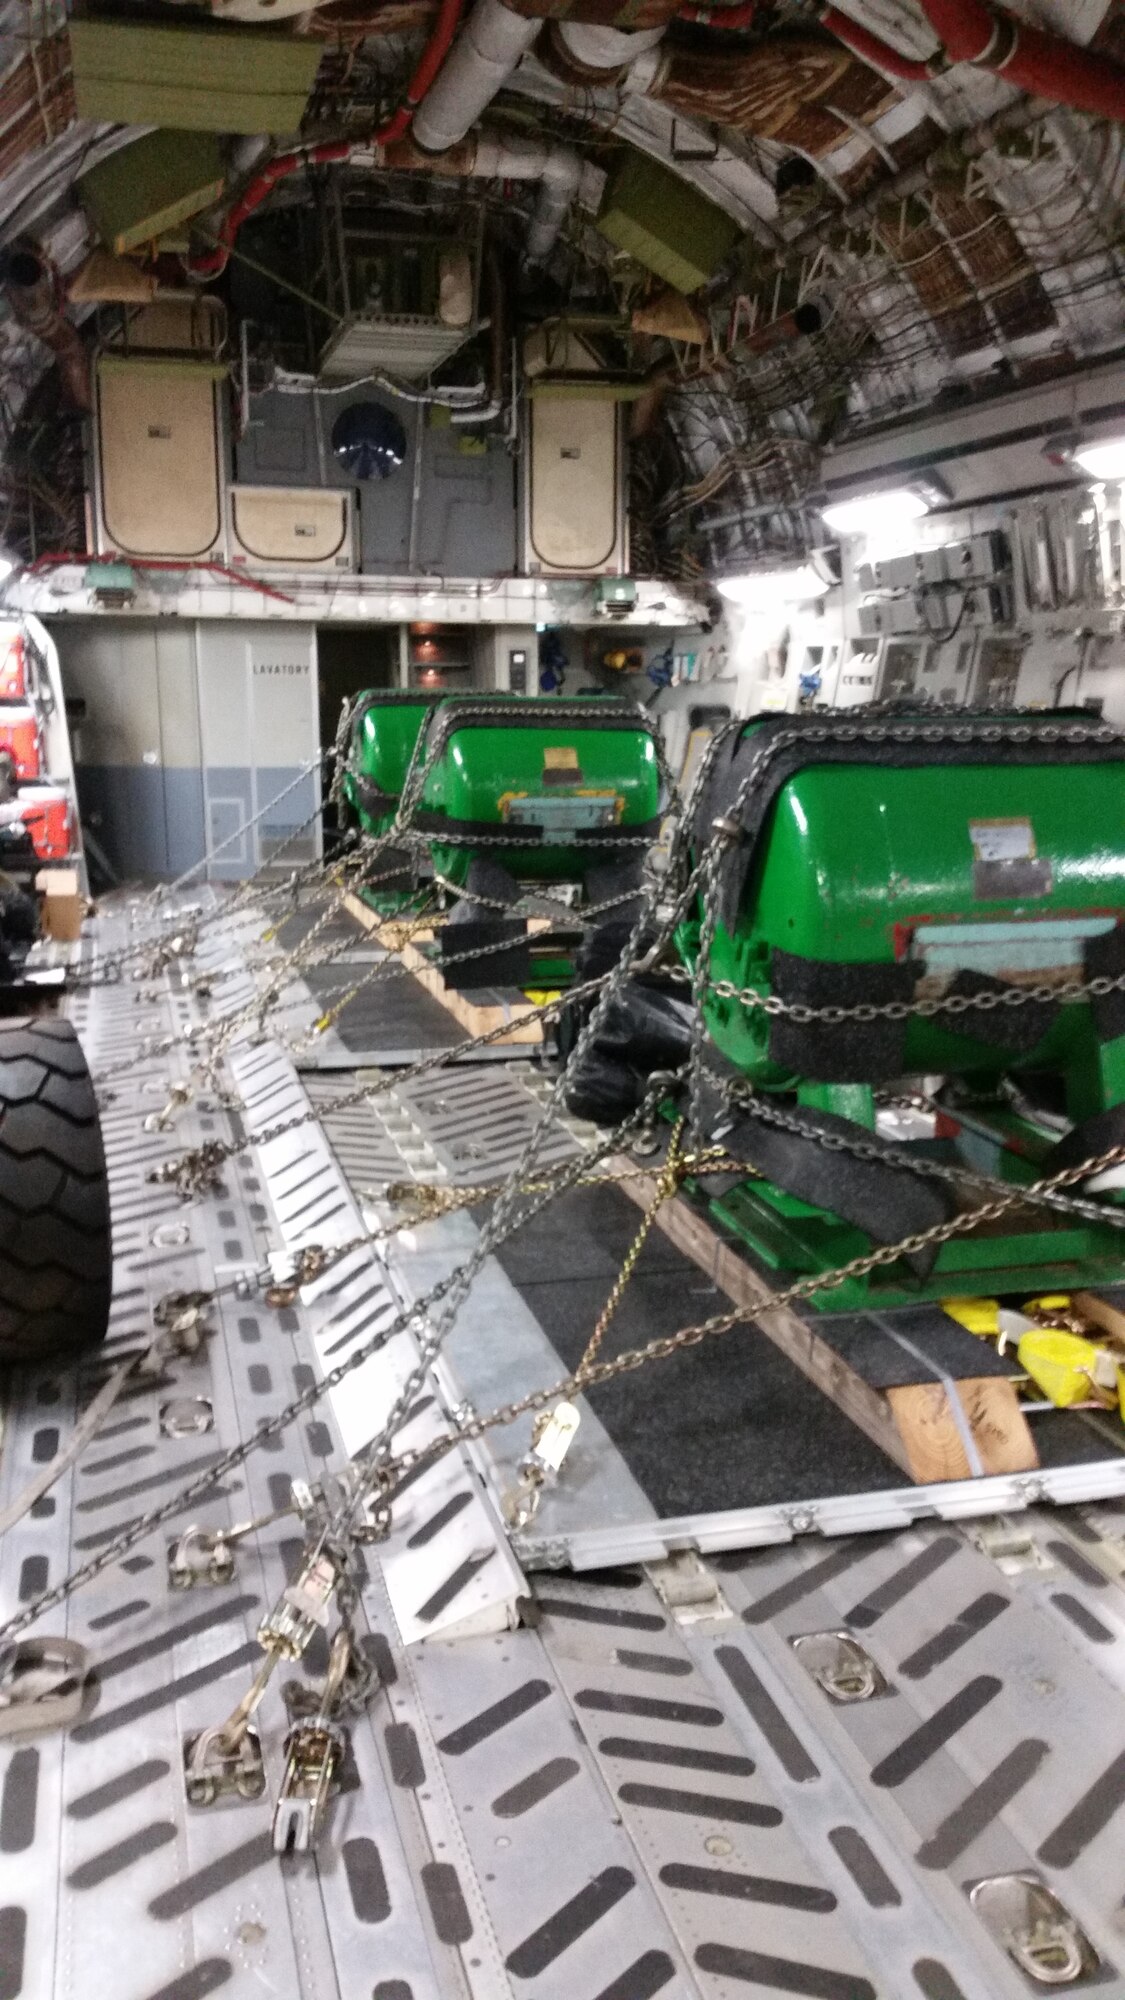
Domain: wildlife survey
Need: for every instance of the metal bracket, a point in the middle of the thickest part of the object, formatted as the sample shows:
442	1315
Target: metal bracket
42	1685
214	1771
1009	1544
200	1556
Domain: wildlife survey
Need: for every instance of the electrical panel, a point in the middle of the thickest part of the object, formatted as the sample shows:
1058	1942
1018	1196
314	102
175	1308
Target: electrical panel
998	672
901	668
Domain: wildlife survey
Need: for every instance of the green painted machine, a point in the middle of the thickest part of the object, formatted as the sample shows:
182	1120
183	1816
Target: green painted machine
891	859
535	792
385	727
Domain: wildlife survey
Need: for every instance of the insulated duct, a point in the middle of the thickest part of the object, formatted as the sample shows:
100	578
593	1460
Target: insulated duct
580	52
482	59
497	36
981	32
487	156
31	286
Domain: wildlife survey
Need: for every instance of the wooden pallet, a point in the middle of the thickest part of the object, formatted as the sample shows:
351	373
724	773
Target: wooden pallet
497	1006
914	1422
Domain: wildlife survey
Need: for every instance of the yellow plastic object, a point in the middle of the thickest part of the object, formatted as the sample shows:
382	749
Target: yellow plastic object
542	997
1051	1302
975	1315
1062	1365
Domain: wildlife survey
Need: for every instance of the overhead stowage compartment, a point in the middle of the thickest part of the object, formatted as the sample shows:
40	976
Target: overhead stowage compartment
198	77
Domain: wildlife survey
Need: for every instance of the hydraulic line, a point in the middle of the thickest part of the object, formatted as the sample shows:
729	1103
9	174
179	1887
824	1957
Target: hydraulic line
332	152
983	33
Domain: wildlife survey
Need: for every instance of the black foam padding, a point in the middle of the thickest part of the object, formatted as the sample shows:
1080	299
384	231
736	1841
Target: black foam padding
914	742
1104	958
845	1051
731	1423
882	1197
498	968
1011	1031
1086	1141
910	1345
392	1014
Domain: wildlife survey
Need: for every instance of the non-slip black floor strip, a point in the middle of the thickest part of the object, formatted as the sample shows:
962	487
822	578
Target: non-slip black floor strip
865	1868
222	1873
99	1868
1087	1819
983	1804
647	1976
742	1888
498	1715
610	1702
570	1922
782	1975
968	1624
537	1786
900	1584
938	1729
699	1805
127	1783
163	1694
762	1708
683	1756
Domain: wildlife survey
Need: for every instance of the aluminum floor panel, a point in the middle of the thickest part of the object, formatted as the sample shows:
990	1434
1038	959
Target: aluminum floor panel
639	1790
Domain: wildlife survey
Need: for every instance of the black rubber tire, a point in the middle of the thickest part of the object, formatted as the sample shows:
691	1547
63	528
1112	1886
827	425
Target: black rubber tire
56	1254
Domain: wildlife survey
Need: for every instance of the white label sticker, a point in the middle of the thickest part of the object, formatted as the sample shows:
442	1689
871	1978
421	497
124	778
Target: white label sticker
1002	839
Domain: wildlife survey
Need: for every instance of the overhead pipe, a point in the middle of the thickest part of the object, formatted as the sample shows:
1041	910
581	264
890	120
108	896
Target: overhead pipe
488	50
985	34
587	53
492	157
34	293
873	50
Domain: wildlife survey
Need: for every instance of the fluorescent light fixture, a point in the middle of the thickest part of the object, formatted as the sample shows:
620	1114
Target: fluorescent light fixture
870	513
1104	459
772	589
6	568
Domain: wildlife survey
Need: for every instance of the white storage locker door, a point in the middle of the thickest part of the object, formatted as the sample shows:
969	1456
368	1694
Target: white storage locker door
160	475
286	528
574	476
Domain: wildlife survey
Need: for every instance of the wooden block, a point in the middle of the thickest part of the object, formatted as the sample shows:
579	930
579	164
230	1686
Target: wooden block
524	1027
934	1440
915	1426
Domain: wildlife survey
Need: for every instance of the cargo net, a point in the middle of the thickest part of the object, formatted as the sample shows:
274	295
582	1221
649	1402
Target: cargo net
677	1101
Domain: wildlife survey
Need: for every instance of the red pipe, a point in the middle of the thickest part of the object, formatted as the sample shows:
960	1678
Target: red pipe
878	53
978	31
211	262
738	16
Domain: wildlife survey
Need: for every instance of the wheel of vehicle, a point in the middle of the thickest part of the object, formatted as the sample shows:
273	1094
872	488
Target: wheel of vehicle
55	1242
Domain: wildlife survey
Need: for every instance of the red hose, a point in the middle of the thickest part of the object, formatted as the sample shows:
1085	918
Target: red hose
977	31
871	50
211	262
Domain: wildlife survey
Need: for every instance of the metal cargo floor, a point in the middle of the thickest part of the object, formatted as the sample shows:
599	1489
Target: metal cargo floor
595	1785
